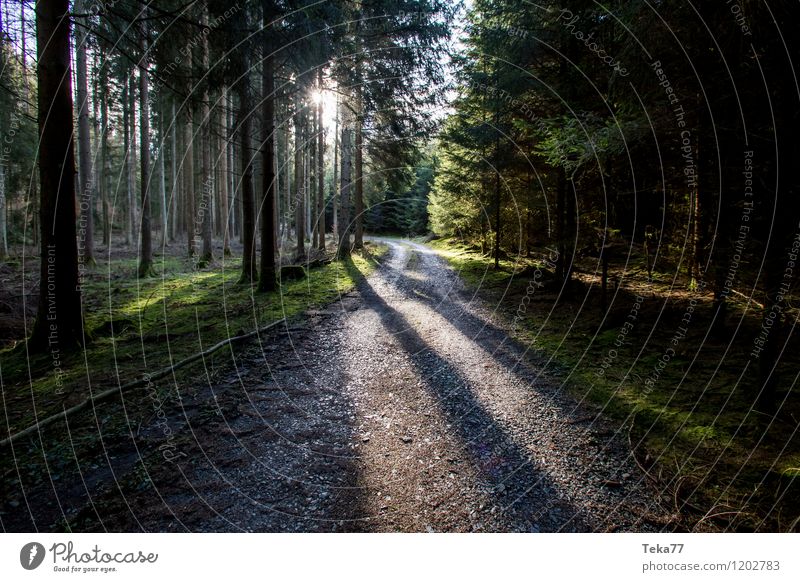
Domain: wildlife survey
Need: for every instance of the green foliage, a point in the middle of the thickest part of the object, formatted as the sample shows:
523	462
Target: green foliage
18	139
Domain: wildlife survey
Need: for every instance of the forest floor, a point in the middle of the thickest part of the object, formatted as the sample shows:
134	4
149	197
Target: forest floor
405	405
654	359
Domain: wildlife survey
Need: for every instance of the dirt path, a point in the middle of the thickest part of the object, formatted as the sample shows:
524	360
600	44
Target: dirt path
402	407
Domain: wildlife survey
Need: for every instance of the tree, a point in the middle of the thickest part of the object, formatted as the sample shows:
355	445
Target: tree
86	176
244	129
59	319
320	167
299	176
146	246
344	191
207	187
267	280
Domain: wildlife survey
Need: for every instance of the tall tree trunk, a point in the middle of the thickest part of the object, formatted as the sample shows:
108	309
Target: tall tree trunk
299	180
335	184
86	179
146	247
3	222
344	194
162	140
59	320
105	158
189	195
174	181
126	146
359	172
497	196
312	175
206	213
287	182
248	214
267	278
223	171
233	171
132	158
321	169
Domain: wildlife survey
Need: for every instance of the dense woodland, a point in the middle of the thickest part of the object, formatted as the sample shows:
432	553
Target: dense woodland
618	147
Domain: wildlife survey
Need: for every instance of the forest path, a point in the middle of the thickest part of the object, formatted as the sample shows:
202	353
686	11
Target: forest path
400	408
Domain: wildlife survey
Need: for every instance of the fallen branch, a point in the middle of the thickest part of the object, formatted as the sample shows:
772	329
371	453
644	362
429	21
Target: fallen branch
92	400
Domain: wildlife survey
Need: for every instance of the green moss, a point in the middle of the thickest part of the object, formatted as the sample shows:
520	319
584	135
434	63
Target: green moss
146	325
695	417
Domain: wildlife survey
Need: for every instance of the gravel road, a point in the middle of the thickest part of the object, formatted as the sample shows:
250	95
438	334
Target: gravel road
402	407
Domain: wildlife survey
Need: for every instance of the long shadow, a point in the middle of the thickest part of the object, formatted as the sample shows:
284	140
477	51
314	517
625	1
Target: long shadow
248	452
490	338
527	497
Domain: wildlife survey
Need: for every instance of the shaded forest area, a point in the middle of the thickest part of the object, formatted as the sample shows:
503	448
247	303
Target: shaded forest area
617	179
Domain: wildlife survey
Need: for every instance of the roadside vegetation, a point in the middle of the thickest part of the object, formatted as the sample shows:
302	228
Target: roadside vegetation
719	461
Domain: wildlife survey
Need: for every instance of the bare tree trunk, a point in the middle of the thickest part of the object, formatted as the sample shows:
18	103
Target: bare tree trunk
188	179
105	159
335	185
206	214
344	194
287	207
163	175
3	227
233	172
59	319
248	214
223	170
86	179
321	169
132	158
146	247
174	182
299	181
311	173
126	146
497	192
359	172
267	281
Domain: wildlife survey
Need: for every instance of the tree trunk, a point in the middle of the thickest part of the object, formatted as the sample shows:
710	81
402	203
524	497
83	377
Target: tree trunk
287	197
299	181
3	223
105	158
497	199
335	184
321	170
223	171
146	247
267	278
359	173
312	175
344	194
86	179
59	320
163	175
132	158
174	181
188	179
248	214
206	214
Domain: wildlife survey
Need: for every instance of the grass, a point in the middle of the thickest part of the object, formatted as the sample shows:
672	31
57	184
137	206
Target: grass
695	428
140	326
